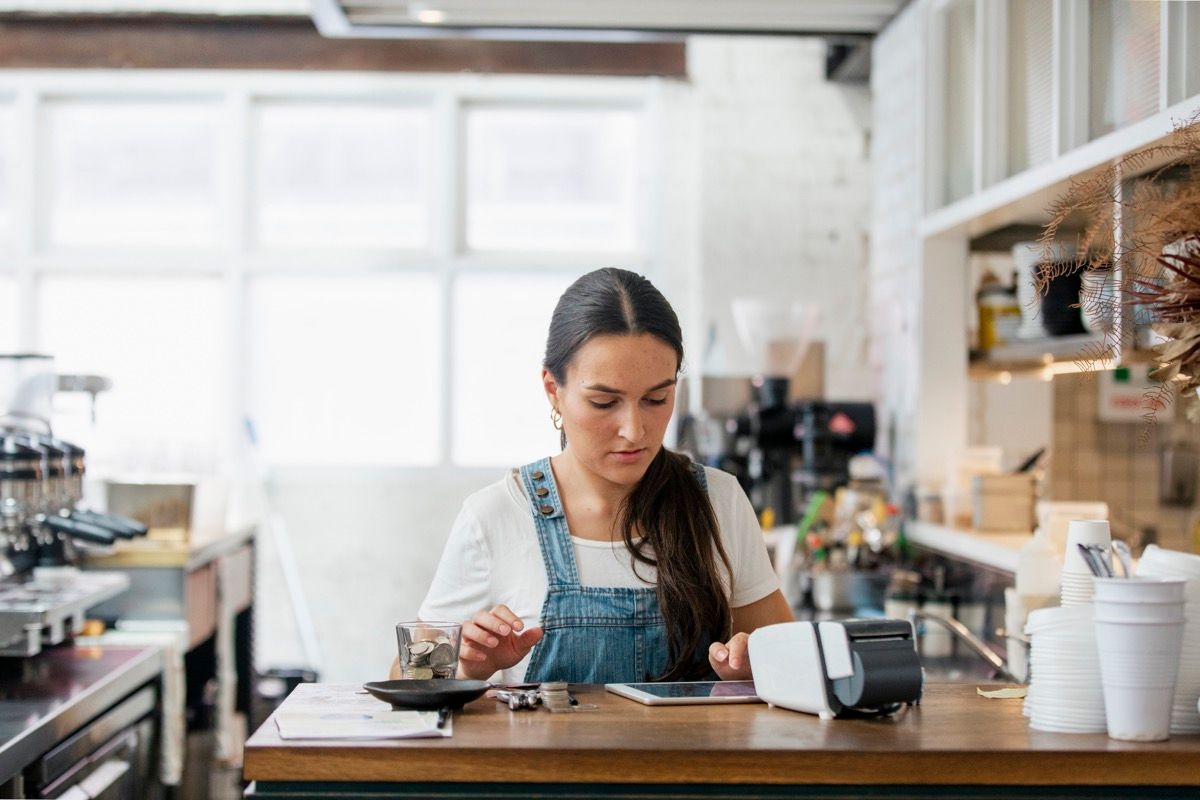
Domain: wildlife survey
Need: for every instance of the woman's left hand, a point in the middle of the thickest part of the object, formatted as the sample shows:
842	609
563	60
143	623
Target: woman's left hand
731	660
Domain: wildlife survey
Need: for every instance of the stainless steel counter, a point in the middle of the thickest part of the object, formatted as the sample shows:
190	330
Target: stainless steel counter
45	698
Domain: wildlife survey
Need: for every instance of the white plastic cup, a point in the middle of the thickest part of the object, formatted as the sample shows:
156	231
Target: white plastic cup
1086	531
1150	613
1140	590
1139	664
1137	714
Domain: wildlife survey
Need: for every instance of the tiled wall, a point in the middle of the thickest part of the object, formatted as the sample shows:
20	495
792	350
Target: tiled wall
1117	462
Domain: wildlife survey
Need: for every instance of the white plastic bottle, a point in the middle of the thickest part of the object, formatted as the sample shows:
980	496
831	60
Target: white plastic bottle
1038	571
1039	568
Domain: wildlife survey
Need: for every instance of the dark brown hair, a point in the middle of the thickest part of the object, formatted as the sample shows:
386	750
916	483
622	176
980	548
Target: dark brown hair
668	507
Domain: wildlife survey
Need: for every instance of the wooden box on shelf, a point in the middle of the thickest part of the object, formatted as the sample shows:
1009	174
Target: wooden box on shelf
1003	503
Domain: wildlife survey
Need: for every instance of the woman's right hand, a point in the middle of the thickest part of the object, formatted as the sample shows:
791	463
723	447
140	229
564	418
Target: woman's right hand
494	640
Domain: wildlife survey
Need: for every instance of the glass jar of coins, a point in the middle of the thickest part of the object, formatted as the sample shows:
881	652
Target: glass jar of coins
428	649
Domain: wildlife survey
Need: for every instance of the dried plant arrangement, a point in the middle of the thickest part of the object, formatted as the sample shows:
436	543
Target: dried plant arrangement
1151	227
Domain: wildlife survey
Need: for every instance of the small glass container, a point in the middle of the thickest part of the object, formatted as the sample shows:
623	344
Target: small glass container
428	650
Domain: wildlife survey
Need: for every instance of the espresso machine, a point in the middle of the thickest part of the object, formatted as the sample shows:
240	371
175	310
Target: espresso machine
792	450
43	528
782	450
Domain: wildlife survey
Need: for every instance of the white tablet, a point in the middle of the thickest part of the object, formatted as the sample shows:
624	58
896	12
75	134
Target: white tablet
686	692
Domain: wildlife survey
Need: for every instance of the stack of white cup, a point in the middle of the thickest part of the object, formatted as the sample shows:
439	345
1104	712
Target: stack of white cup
1065	693
1076	577
1159	563
1139	631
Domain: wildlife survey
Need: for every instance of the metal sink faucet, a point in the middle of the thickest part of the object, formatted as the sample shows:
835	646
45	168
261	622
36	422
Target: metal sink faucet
977	645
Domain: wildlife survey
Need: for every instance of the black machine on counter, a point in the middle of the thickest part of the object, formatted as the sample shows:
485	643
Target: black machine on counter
783	452
43	597
852	667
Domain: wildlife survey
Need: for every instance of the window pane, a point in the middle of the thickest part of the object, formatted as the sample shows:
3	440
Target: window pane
1125	41
1030	79
960	99
342	175
346	370
10	315
547	179
131	173
162	342
6	177
501	415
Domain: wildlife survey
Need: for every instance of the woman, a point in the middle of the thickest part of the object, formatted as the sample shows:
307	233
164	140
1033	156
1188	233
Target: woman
615	560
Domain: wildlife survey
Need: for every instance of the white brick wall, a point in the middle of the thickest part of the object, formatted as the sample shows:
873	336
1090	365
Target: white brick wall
784	193
896	189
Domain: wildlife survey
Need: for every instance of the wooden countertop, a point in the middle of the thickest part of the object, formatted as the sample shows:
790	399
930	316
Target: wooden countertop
954	738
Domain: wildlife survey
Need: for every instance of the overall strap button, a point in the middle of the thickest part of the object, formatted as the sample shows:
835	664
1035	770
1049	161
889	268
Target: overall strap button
547	510
538	475
541	491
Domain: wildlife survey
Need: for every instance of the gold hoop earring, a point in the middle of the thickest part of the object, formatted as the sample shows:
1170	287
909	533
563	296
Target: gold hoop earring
556	419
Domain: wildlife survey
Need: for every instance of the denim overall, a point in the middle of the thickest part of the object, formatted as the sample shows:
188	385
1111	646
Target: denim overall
591	634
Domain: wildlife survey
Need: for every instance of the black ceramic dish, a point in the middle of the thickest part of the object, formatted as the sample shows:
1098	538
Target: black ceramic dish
429	695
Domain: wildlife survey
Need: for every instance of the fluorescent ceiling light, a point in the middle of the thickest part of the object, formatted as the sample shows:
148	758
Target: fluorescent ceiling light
405	18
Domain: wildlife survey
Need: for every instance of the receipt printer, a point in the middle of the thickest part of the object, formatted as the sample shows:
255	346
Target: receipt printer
853	667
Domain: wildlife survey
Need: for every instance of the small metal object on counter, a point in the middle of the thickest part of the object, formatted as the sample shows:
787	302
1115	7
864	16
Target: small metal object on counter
550	695
518	699
555	697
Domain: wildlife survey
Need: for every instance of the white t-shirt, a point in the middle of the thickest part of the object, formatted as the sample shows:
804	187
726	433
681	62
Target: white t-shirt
492	557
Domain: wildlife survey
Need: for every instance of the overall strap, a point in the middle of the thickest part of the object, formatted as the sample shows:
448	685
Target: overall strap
558	552
701	478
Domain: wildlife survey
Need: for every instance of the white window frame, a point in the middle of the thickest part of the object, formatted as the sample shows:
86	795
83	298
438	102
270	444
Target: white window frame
235	258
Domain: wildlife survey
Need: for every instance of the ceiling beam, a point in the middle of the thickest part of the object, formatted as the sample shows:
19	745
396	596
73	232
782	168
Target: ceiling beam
174	42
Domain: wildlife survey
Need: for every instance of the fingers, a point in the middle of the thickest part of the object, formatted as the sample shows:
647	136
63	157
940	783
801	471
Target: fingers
506	616
500	621
470	652
524	642
489	630
739	651
731	660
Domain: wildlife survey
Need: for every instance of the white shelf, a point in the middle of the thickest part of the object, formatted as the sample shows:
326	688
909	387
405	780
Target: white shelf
1024	198
995	550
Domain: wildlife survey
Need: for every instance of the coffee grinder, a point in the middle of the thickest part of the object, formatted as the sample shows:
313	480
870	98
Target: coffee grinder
775	333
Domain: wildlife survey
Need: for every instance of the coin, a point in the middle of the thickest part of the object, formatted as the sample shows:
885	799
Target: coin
421	648
433	656
442	655
555	697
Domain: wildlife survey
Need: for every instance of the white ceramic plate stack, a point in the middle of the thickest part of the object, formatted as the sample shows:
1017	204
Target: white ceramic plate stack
1065	691
1159	563
1076	579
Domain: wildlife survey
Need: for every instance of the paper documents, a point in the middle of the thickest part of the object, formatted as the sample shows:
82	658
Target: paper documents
379	725
338	712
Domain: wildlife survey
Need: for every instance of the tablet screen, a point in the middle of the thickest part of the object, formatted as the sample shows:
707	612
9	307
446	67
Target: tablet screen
687	692
696	689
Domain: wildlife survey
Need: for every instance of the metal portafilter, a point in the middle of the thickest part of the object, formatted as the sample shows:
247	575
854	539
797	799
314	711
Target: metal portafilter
67	464
41	482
